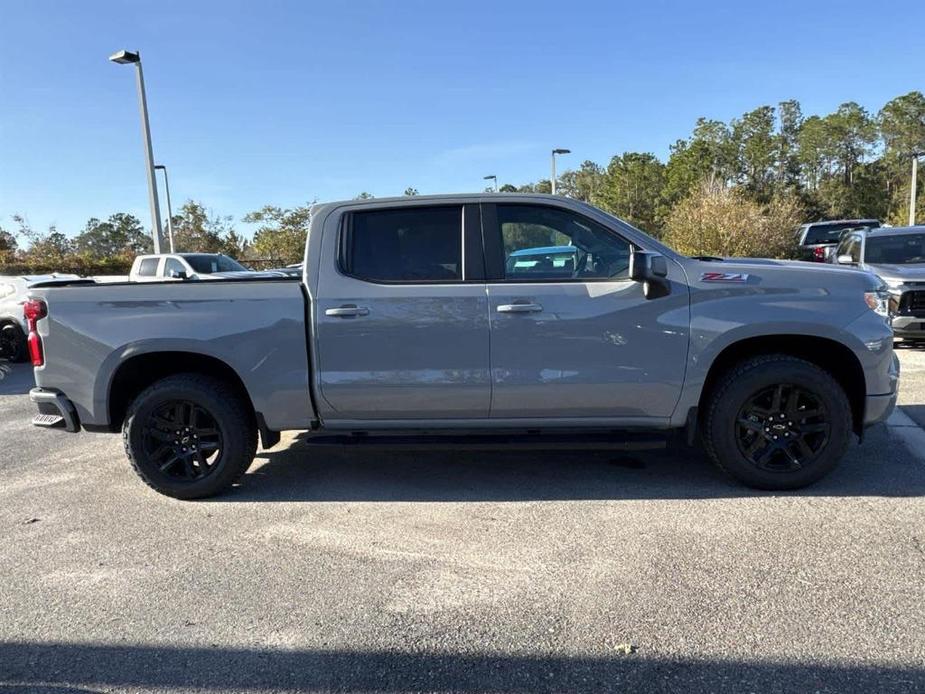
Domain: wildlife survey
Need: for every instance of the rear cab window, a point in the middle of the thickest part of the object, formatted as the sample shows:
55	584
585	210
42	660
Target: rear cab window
405	244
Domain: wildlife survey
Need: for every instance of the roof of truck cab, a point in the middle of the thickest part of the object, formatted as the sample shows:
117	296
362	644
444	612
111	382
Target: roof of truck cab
447	197
827	222
897	231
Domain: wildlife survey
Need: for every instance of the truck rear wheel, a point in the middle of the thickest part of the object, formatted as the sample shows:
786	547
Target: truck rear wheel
189	436
777	422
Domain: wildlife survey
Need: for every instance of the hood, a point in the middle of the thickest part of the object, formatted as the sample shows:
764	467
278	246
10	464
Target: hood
905	273
783	275
727	265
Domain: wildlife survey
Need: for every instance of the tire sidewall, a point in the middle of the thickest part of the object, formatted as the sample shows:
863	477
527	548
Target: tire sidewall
234	439
732	398
19	352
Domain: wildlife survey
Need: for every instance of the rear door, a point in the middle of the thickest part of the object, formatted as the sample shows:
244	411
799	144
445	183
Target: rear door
402	315
571	334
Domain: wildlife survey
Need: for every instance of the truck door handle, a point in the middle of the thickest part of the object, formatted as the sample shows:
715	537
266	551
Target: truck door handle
347	311
519	308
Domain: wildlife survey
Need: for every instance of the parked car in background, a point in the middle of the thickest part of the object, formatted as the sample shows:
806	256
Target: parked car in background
13	329
188	266
897	256
817	240
411	324
294	270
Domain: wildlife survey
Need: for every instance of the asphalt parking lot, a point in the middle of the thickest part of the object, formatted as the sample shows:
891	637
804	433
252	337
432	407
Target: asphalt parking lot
460	571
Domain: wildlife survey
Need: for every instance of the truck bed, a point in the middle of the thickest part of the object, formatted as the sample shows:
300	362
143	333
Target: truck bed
97	333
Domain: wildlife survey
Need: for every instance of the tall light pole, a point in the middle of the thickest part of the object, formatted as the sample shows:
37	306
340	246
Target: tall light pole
915	176
126	58
553	179
169	210
492	178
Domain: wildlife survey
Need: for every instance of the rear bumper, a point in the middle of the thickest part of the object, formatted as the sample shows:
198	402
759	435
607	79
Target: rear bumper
55	410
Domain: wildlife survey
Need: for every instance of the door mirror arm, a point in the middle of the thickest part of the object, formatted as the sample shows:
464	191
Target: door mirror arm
652	270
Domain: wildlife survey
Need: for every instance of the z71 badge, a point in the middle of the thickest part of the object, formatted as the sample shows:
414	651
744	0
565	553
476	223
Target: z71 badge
724	277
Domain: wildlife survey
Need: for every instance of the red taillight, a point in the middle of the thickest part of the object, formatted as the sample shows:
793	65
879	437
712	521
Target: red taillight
819	254
34	310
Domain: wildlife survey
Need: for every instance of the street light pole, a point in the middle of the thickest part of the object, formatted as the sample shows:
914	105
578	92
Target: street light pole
169	210
124	58
915	175
552	180
492	178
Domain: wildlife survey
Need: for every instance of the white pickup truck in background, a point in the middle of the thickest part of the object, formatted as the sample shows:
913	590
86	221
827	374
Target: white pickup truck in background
190	266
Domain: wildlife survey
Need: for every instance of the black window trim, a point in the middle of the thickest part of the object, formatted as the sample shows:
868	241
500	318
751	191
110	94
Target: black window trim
494	247
472	257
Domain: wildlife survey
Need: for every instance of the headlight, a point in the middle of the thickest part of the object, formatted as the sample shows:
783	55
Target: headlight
895	286
878	301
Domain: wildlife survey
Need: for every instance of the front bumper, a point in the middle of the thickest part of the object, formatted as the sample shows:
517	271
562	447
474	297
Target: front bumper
909	326
877	408
55	410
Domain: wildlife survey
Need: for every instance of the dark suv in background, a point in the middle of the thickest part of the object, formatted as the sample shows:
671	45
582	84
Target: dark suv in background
817	240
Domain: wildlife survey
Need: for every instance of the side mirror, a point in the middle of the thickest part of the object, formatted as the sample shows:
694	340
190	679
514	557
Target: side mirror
845	260
178	275
652	270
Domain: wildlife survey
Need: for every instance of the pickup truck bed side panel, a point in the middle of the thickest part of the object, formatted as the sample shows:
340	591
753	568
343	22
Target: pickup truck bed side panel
92	330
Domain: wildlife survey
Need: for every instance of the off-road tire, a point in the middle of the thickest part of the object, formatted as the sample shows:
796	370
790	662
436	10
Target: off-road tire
231	414
740	383
13	345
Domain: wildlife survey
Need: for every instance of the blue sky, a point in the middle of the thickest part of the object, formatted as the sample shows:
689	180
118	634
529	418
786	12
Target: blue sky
285	102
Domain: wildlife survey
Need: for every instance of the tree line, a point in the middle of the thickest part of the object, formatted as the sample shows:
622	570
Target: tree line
736	188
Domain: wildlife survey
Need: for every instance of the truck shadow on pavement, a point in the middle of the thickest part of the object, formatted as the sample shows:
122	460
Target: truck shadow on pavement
879	467
15	379
51	667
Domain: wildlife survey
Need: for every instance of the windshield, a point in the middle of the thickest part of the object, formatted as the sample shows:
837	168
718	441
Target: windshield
208	264
905	249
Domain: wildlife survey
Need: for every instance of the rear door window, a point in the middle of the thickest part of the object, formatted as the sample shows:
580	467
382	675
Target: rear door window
148	267
420	244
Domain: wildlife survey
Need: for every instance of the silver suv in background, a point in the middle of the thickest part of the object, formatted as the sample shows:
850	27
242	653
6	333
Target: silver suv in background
817	240
897	256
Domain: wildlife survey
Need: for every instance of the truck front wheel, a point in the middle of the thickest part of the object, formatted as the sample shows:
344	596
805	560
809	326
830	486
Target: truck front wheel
189	436
777	422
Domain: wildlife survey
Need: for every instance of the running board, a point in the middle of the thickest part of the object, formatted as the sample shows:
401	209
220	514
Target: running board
494	442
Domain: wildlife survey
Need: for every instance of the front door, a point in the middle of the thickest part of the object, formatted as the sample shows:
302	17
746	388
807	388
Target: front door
571	334
402	315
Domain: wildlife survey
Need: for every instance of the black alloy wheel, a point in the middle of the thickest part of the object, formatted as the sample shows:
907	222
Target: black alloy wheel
782	428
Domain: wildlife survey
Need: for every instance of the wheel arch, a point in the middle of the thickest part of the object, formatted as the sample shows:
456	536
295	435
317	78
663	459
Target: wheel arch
138	372
828	354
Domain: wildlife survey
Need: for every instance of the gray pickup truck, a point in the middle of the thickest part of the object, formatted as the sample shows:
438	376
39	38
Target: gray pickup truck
497	319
